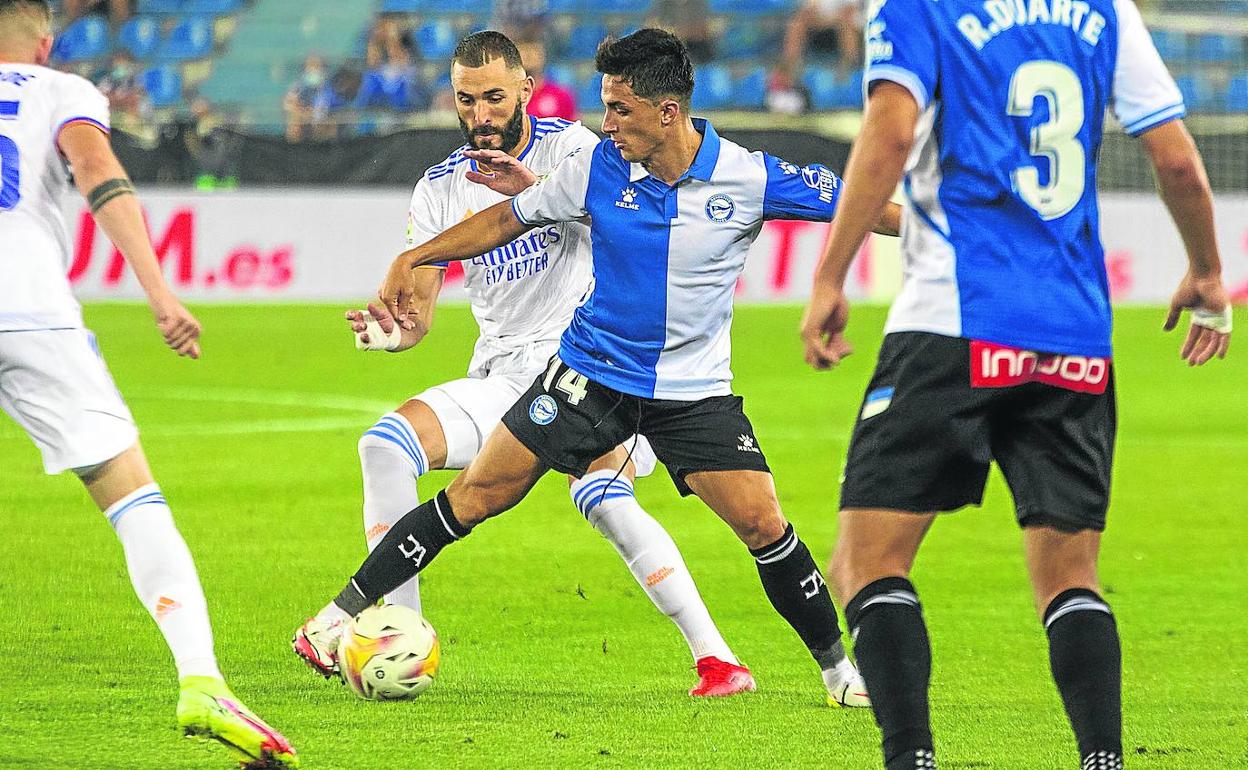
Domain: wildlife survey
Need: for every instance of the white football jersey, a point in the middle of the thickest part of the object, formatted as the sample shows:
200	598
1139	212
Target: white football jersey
35	104
525	292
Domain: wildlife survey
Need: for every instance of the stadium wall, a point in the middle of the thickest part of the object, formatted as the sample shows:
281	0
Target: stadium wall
335	244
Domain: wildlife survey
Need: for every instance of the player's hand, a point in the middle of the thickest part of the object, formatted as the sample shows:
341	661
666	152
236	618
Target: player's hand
1210	332
397	290
502	173
375	328
177	325
823	327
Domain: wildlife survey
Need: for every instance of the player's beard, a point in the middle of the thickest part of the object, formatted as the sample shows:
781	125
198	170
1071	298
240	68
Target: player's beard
510	133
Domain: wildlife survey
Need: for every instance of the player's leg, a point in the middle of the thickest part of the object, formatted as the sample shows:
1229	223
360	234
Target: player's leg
746	501
1055	449
394	453
870	569
605	497
55	384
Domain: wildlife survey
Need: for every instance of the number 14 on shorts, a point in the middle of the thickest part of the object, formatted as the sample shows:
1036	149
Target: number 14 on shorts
571	383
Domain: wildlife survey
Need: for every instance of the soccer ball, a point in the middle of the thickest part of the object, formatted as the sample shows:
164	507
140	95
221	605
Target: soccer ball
388	653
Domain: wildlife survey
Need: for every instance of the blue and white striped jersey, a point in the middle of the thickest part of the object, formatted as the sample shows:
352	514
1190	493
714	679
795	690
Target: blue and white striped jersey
1000	236
667	258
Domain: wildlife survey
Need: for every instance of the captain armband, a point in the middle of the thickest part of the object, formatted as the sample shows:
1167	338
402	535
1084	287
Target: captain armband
107	191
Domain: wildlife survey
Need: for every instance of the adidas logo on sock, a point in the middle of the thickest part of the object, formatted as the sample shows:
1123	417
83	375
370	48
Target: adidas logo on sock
1102	760
164	606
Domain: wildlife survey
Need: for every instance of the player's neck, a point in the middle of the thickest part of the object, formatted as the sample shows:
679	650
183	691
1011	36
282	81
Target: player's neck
525	136
674	157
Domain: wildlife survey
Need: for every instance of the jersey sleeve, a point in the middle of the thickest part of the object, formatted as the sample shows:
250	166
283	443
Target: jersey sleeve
794	192
902	48
560	195
577	137
424	217
78	101
1145	95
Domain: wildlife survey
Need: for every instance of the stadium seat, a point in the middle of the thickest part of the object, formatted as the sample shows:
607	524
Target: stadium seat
189	39
589	96
829	91
1220	49
1171	44
751	90
583	40
163	85
1237	94
160	6
436	39
1198	93
217	7
86	38
405	6
140	36
561	74
712	89
622	6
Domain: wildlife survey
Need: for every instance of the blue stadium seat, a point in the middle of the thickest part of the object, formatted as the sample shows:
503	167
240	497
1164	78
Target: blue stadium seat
160	6
436	39
829	91
163	85
1220	49
743	40
1198	93
751	90
712	88
622	6
191	38
405	6
589	95
217	7
1171	44
1237	94
86	38
583	40
140	36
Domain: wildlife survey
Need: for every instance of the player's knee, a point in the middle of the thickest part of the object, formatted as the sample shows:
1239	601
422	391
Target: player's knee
759	529
851	570
392	436
476	499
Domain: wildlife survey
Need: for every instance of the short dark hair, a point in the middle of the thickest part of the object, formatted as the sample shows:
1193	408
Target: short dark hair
654	63
17	5
482	47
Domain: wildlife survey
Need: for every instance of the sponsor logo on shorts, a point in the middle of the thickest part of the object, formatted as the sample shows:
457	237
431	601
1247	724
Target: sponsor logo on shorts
719	208
877	401
543	410
748	444
1001	366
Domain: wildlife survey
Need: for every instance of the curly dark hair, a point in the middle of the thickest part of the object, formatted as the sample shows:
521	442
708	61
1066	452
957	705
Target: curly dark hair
654	63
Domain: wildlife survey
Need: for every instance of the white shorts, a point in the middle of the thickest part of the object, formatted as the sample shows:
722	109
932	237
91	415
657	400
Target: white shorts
56	385
470	409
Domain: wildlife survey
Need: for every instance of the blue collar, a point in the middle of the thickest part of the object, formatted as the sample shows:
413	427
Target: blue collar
703	165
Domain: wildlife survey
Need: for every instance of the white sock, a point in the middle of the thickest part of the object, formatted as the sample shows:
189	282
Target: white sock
164	578
391	459
652	557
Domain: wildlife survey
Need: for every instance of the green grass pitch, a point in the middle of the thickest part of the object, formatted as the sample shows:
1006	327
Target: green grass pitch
552	656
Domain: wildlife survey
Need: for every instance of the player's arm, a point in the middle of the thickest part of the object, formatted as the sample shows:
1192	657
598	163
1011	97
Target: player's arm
1184	187
496	226
113	201
890	221
376	329
875	166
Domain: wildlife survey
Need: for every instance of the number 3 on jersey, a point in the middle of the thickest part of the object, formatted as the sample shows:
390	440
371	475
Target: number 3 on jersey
571	383
1056	139
10	175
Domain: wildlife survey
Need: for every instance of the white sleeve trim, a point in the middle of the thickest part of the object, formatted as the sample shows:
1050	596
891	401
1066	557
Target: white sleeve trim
1164	115
900	76
1144	93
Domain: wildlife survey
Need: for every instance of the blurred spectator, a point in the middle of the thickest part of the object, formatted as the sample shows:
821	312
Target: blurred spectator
118	10
215	148
127	98
392	81
785	95
690	21
521	20
831	28
309	102
550	100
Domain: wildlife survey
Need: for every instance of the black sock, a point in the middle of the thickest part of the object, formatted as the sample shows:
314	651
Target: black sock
895	659
1087	667
798	592
406	549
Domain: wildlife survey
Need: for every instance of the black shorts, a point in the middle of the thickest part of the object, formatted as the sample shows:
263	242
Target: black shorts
569	421
940	409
